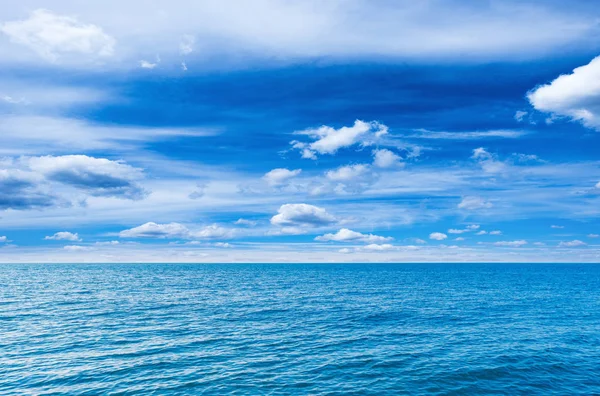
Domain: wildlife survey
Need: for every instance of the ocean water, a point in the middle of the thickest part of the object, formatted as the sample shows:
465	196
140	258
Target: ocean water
419	329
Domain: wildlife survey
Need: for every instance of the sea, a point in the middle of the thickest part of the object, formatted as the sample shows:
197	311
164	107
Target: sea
299	329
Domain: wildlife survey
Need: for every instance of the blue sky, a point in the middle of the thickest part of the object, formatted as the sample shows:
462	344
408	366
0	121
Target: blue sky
275	131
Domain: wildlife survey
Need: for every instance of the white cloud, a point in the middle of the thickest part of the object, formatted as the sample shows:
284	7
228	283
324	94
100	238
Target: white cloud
328	140
346	235
520	115
347	173
496	232
11	100
474	203
518	243
575	243
186	45
212	231
378	247
299	215
280	176
144	64
467	135
3	239
593	236
55	36
438	236
176	231
488	161
384	158
557	226
245	222
76	248
63	236
482	232
96	176
459	239
575	95
154	230
184	66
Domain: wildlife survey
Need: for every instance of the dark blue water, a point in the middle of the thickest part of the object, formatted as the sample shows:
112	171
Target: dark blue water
300	329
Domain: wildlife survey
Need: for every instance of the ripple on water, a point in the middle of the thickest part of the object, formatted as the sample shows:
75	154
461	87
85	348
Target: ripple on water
300	329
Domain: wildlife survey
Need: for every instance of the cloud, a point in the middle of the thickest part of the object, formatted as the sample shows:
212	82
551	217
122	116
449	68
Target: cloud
488	161
557	226
280	176
347	173
186	45
459	239
593	236
176	231
97	176
154	230
144	64
468	135
496	232
245	222
55	37
384	158
63	236
378	247
575	96
482	232
19	190
43	134
437	236
346	235
520	115
328	140
3	239
474	203
469	228
302	215
511	243
575	243
212	231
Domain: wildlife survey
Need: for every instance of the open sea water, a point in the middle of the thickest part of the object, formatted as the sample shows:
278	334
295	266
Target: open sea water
264	329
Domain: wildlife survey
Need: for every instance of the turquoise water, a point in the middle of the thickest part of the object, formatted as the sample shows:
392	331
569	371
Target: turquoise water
300	329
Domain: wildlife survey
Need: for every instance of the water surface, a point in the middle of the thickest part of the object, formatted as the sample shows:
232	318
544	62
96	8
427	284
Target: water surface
300	329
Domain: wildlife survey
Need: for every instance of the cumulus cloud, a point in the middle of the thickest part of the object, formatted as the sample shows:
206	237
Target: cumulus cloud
518	243
469	228
280	176
19	190
328	140
176	231
154	230
54	36
3	239
574	243
63	236
378	247
348	172
384	158
474	203
488	161
346	235
302	215
575	95
438	236
96	176
496	232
